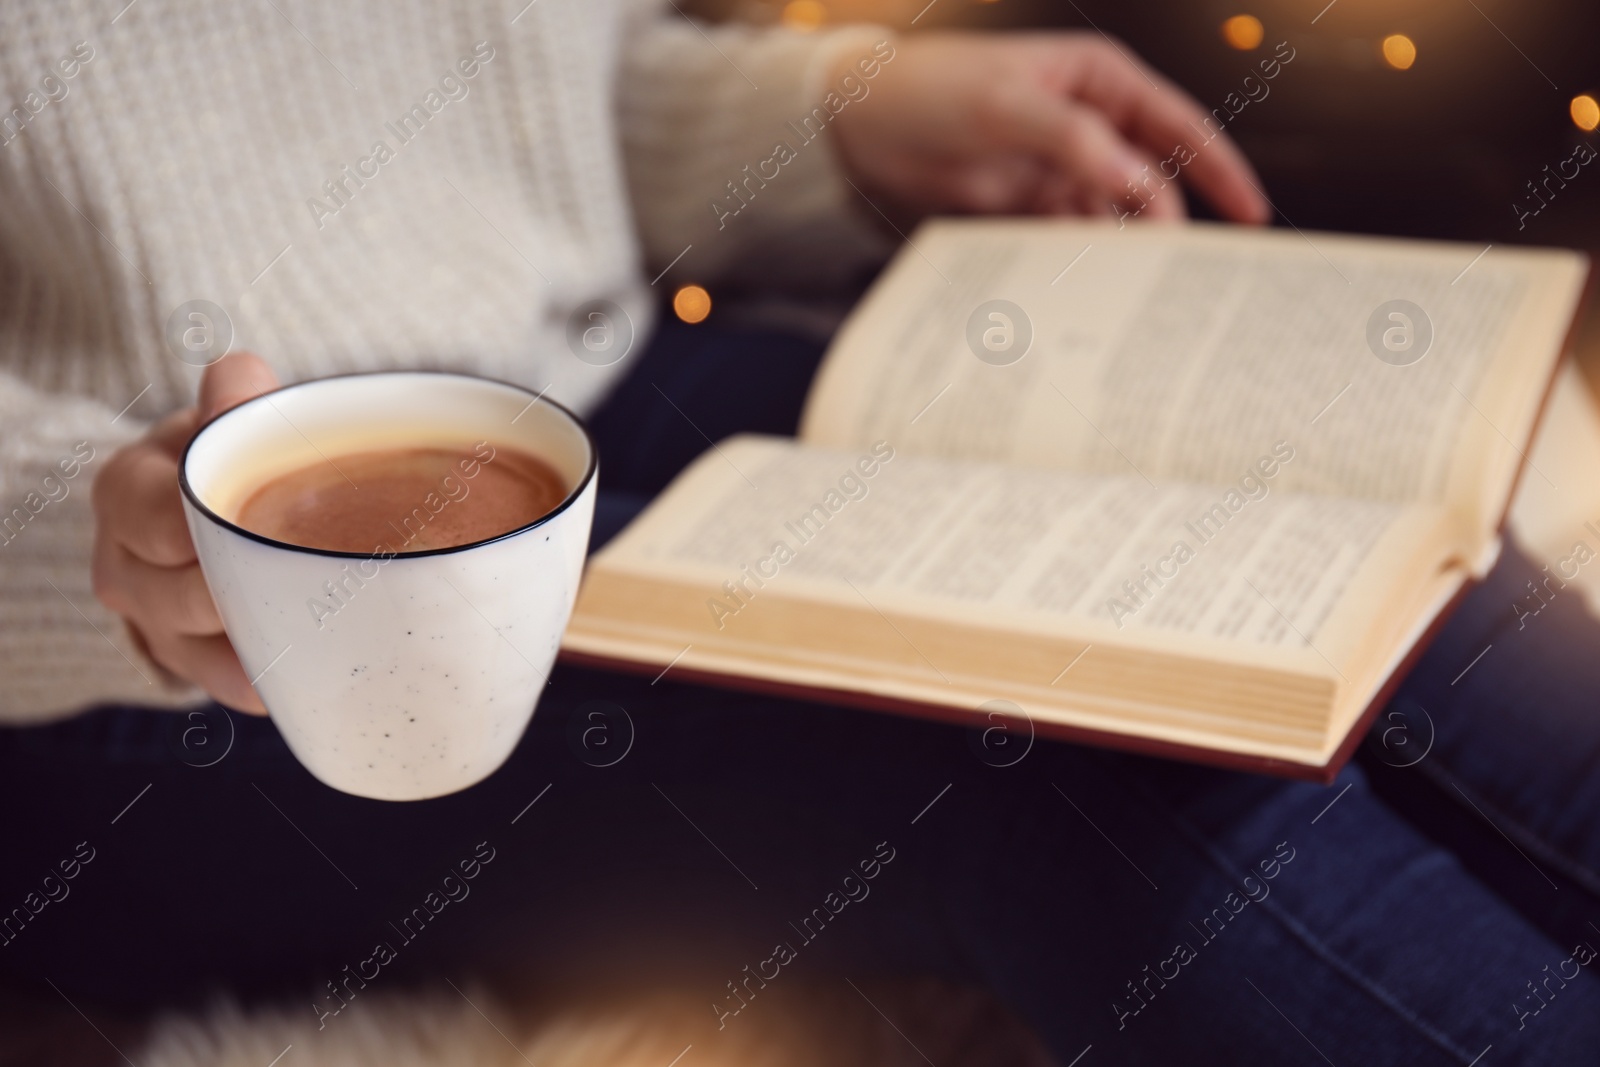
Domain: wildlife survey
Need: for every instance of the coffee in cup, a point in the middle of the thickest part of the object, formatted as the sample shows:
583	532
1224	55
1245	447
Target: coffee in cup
404	499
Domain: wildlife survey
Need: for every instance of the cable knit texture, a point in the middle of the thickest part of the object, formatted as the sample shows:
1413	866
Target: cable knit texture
229	152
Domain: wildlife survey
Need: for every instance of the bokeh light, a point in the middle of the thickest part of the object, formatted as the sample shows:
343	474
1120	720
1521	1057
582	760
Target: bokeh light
1243	32
1399	51
691	304
804	15
1585	112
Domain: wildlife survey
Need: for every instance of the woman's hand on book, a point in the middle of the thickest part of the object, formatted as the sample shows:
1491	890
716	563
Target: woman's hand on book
145	567
1056	123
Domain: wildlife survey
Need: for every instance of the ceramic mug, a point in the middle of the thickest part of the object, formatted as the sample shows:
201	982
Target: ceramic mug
395	674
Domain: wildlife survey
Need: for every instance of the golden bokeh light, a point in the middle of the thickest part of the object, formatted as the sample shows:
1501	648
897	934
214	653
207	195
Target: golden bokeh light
1585	112
804	15
691	304
1399	51
1243	32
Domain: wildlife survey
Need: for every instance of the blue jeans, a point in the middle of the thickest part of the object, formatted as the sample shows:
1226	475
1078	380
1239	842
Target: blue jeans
1438	899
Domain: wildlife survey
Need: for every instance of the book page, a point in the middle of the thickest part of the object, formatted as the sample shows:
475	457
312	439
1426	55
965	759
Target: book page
1189	352
1108	555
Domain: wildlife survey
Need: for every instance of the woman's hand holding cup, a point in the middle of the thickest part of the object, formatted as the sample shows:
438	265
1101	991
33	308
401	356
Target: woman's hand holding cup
145	568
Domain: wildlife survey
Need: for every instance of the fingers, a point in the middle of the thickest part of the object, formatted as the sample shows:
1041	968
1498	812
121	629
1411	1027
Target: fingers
1092	155
232	380
158	599
136	494
1153	197
1160	117
145	567
210	663
1076	139
137	505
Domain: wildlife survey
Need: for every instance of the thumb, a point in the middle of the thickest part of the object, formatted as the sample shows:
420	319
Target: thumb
232	380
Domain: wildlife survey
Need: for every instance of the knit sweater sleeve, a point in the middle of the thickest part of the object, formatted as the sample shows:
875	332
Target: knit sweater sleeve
59	649
727	145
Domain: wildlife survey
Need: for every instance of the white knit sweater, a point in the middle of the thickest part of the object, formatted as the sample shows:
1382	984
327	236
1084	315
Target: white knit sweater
181	150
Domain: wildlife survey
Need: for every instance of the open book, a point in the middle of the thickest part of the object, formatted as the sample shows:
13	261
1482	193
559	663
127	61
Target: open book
1193	490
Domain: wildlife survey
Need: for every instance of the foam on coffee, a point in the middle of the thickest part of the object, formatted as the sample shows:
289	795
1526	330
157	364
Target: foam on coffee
399	500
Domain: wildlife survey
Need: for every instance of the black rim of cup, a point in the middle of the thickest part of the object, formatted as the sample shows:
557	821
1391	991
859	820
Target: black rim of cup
577	490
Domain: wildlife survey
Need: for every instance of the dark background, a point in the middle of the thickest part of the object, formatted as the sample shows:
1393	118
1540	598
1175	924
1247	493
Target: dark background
1344	141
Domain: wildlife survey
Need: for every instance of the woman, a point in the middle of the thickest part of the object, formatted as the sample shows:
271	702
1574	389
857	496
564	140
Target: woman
448	186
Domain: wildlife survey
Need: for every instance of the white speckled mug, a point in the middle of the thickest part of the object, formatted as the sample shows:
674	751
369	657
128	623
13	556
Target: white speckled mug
393	675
